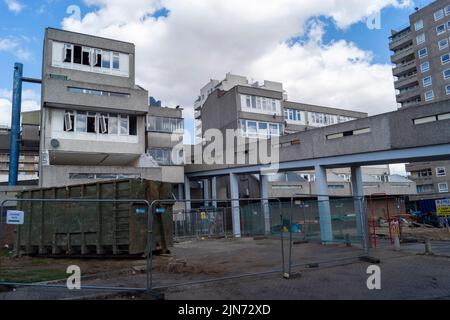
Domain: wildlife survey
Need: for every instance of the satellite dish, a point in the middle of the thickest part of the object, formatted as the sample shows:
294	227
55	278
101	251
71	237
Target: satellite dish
54	143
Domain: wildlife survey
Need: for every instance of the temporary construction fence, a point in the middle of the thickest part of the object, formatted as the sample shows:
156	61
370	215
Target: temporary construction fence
82	204
266	243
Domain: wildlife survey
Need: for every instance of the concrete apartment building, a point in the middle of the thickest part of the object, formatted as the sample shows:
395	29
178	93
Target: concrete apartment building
29	150
264	111
421	58
165	128
93	115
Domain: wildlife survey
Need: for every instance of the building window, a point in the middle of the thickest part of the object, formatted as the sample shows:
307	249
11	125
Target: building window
425	188
445	58
418	25
438	15
97	92
446	74
83	58
260	105
443	44
443	187
447	10
423	53
293	115
420	38
441	172
429	95
255	129
424	67
69	121
447	89
163	156
164	124
428	81
99	123
440	29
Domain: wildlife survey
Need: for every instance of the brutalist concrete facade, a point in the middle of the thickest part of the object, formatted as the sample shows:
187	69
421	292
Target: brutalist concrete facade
93	114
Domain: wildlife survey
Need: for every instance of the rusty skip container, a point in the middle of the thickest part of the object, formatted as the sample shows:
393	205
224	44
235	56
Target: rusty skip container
94	228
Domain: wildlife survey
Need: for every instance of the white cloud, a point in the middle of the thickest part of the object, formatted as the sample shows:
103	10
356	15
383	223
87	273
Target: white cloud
30	102
203	39
14	5
13	46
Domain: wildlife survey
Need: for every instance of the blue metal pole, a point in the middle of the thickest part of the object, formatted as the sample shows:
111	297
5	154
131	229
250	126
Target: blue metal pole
15	125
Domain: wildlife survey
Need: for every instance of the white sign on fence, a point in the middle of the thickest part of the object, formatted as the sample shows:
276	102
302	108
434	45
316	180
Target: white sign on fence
14	217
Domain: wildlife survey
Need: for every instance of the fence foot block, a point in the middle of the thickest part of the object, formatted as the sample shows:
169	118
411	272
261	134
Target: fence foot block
370	259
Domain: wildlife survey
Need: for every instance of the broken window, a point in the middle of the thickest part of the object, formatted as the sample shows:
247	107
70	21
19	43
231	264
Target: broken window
103	120
132	125
68	53
98	58
77	54
116	61
69	119
86	56
91	123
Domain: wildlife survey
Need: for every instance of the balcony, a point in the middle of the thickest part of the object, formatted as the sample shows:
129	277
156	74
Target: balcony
402	54
197	114
408	95
401	40
404	67
406	81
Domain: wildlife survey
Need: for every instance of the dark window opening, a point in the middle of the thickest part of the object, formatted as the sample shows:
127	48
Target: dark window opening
77	54
91	124
98	61
69	121
68	56
348	133
86	61
133	126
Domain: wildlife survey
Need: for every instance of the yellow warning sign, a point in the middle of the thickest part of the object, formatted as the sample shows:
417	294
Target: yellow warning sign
443	207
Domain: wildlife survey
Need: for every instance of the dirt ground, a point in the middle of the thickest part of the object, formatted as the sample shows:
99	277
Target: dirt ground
418	233
328	268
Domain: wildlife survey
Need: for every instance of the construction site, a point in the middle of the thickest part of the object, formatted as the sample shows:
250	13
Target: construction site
96	204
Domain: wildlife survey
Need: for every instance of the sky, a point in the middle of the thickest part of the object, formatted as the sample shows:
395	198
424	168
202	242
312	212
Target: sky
322	51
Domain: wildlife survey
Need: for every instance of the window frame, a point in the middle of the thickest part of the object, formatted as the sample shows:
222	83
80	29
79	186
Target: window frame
440	16
444	26
441	169
421	24
424	55
446	44
422	38
447	61
431	98
424	80
422	64
443	190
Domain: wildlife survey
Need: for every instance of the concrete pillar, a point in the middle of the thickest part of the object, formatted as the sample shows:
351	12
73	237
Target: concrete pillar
326	231
206	192
180	191
187	193
214	191
358	194
235	212
264	193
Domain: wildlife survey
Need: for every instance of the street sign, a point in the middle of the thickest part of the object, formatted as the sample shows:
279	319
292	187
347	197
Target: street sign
14	217
141	211
160	210
443	207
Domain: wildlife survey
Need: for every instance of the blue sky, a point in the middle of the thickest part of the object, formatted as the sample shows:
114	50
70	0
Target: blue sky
26	28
